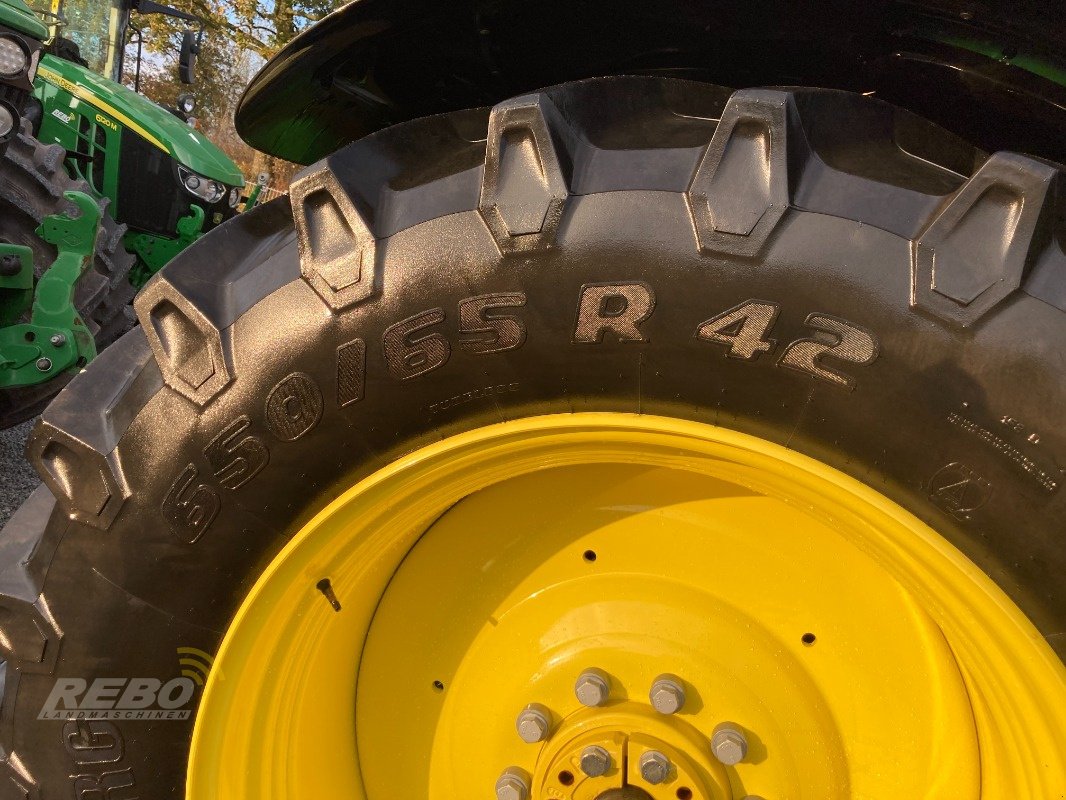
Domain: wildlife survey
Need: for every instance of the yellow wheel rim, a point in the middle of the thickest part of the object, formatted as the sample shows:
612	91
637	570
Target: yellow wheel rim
392	648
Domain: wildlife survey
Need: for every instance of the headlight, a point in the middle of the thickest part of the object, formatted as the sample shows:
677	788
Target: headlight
204	188
14	58
7	120
234	197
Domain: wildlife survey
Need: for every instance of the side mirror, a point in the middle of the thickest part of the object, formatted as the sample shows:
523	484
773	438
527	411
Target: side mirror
190	48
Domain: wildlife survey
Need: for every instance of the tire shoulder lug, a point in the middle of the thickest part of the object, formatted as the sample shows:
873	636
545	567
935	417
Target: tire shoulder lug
741	188
31	637
338	251
74	446
16	781
188	346
976	251
25	549
88	485
527	173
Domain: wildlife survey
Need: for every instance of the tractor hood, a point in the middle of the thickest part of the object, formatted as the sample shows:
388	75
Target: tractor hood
15	14
992	72
187	146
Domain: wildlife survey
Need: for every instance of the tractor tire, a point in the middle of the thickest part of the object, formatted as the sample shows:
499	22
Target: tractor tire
32	183
812	268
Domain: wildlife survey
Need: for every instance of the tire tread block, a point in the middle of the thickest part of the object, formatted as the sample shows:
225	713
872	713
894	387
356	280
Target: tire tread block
337	248
740	190
527	173
975	253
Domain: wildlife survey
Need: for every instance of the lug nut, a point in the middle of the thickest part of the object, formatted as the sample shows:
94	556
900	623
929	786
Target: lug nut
512	785
667	694
592	688
654	767
44	364
533	724
58	340
595	761
729	743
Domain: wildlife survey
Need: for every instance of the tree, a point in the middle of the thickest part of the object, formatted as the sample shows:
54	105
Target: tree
239	36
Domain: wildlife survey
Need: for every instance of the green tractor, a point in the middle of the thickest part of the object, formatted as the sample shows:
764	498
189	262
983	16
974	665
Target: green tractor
70	125
581	428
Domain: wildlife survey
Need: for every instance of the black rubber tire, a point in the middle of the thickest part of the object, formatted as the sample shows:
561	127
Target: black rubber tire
32	183
689	201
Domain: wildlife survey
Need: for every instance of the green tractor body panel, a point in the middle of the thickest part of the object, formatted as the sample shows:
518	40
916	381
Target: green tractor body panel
55	339
18	16
65	85
164	180
139	156
153	252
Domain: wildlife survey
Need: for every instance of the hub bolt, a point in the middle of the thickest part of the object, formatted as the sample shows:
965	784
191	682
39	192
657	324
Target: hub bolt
667	694
595	761
44	364
534	723
729	743
592	688
654	767
58	340
512	785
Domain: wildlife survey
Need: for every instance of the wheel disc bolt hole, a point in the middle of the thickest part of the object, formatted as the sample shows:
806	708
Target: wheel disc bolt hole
566	778
589	555
438	686
684	793
808	639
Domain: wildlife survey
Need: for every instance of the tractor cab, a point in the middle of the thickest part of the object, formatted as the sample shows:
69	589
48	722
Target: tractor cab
98	32
166	181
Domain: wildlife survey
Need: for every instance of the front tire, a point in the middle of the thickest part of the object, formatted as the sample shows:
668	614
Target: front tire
32	183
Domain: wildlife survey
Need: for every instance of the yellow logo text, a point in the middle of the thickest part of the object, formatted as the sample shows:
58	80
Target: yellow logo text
105	121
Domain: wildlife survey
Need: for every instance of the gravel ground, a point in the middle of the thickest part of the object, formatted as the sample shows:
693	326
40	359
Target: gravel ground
17	478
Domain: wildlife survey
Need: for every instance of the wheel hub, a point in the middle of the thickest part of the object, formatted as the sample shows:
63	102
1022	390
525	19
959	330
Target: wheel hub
643	573
626	793
628	732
